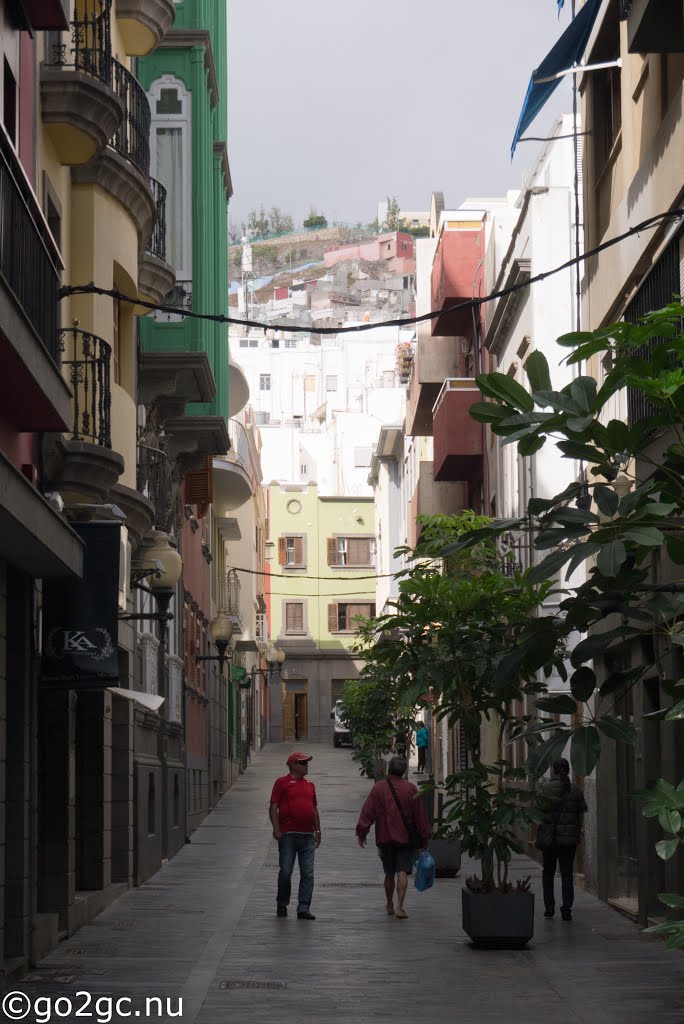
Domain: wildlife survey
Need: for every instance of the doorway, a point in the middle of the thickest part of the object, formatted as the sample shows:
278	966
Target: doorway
295	718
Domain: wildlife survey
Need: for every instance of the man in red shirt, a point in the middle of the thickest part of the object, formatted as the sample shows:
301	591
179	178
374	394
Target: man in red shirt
297	828
391	833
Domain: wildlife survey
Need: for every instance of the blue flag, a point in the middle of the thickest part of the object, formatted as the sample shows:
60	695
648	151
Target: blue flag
560	6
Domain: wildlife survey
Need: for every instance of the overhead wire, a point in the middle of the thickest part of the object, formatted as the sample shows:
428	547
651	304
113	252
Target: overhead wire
93	289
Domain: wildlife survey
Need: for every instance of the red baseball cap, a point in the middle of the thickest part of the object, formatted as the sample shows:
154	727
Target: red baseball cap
299	757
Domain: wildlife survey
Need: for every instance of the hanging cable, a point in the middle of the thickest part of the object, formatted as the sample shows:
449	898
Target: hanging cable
93	289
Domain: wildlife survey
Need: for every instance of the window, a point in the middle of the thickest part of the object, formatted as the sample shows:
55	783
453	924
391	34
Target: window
290	343
53	210
388	377
309	383
291	551
607	113
351	551
331	383
294	616
116	340
303	468
243	343
341	617
170	103
9	105
264	382
363	456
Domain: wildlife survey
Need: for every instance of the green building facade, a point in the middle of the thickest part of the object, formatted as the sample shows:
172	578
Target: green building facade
318	548
185	80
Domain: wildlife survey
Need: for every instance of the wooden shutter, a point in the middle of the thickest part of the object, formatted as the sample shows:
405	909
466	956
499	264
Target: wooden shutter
332	615
198	487
298	551
358	551
282	551
332	551
294	617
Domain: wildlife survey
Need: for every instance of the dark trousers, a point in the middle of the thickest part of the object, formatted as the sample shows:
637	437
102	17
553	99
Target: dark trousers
293	846
564	856
422	751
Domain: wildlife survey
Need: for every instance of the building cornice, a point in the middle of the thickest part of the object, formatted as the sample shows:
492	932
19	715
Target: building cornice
177	38
221	149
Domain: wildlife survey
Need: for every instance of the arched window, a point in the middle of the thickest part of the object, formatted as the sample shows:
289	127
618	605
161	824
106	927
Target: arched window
171	165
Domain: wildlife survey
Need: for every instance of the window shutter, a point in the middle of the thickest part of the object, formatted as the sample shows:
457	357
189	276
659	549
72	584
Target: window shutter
298	551
332	616
282	553
198	487
332	551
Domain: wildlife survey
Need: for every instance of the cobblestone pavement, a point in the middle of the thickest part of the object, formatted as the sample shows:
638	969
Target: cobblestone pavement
204	929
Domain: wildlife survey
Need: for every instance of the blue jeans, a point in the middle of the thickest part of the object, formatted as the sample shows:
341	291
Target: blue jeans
291	846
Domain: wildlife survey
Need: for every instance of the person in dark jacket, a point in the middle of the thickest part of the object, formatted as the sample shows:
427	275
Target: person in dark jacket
563	804
391	834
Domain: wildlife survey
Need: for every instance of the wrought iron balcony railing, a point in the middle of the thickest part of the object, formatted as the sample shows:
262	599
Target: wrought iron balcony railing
239	449
90	46
153	479
230	593
87	363
261	631
157	242
133	137
29	262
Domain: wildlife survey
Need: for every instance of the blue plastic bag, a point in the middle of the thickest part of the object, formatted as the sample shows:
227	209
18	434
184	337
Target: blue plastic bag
425	871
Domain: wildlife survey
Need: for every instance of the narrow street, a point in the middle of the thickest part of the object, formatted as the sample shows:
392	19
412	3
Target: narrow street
204	929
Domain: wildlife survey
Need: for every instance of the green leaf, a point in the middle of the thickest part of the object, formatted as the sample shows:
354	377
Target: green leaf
659	508
667	848
531	444
670	821
557	401
537	505
675	712
611	557
575	450
488	412
543	755
615	729
618	435
645	536
580	553
583	392
537	370
578	424
672	899
585	351
549	566
505	389
572	516
606	499
559	703
620	680
585	748
582	683
675	549
575	338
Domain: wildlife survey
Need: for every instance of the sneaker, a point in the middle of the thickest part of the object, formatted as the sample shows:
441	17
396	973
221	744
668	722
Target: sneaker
305	915
566	914
281	911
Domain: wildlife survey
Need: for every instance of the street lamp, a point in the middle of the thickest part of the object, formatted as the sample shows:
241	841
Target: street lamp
275	658
221	632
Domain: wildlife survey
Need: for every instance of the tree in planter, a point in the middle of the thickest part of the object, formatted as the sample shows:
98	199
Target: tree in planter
450	628
373	714
624	530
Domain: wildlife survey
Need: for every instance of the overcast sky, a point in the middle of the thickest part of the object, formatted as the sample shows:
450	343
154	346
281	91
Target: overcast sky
336	105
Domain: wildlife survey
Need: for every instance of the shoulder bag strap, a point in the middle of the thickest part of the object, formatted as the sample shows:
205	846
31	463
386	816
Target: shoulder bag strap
399	807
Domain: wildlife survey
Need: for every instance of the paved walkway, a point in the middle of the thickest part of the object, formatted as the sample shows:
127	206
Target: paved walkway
204	929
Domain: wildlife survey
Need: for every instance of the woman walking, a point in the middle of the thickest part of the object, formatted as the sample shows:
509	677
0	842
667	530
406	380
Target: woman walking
563	804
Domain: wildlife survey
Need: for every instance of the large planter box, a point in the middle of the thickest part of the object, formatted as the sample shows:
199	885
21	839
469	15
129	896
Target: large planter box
497	921
446	854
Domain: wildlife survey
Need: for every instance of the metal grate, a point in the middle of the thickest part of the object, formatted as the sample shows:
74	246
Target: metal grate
249	984
656	291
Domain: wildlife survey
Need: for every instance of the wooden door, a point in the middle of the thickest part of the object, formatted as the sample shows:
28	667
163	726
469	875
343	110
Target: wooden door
289	716
301	723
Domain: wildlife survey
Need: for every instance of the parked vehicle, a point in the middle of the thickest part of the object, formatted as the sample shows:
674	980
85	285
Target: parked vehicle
341	733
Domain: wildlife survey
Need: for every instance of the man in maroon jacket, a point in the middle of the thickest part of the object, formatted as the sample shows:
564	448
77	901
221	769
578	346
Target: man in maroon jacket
391	834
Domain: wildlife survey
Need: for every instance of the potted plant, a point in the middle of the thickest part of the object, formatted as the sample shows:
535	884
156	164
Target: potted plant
450	631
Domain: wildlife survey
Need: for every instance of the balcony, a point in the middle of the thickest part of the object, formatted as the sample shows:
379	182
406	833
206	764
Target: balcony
151	505
80	106
122	168
435	360
460	248
654	26
82	465
431	498
229	598
234	479
458	447
33	392
155	277
144	23
261	631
